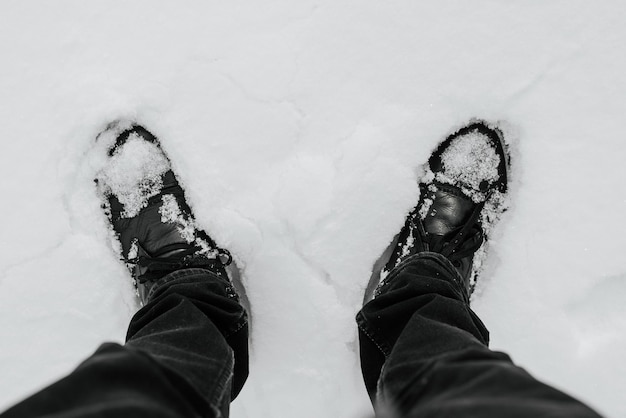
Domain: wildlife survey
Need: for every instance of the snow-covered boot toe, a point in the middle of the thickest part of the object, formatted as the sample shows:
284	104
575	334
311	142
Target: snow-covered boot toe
462	195
149	213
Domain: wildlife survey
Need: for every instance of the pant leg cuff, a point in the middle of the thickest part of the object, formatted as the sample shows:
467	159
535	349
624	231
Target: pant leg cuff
453	276
188	275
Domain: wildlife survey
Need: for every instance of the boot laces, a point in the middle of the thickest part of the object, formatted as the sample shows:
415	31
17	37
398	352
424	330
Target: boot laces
155	266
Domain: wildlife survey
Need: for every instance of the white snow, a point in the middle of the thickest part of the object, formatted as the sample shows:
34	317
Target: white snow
299	130
133	251
134	174
467	162
171	213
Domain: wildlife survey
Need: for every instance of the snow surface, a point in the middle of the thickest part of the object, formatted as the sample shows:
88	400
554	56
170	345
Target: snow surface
298	130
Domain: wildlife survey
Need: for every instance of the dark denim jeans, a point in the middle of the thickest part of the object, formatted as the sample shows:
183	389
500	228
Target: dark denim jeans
423	353
186	355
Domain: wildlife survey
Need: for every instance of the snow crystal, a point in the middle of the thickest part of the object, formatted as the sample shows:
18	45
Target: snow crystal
407	247
425	207
133	251
171	213
134	174
470	160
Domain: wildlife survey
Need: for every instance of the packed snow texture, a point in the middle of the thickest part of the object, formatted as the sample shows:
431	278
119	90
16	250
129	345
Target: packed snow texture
298	129
469	161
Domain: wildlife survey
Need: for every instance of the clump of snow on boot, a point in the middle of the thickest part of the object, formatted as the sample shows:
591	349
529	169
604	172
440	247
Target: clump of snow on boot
133	251
134	174
469	161
171	213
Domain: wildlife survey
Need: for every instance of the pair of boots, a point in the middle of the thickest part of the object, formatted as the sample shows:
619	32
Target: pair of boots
462	195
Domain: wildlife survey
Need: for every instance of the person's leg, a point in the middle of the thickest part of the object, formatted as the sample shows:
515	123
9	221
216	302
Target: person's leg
186	353
177	362
423	351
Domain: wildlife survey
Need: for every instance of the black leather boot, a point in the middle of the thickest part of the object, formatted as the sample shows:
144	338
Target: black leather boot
148	211
461	195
